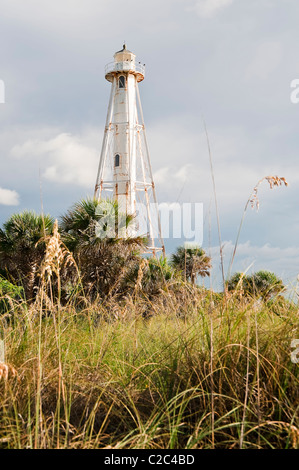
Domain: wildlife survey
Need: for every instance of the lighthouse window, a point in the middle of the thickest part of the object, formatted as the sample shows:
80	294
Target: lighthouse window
116	160
122	82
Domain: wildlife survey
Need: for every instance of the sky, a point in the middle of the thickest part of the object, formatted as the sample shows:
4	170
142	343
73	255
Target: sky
226	63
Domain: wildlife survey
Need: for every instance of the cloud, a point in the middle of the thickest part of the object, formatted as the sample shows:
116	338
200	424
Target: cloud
66	158
267	58
182	169
9	197
175	174
208	8
283	261
74	20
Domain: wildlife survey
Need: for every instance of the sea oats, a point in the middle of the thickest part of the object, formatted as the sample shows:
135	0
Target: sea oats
253	200
6	370
273	181
56	255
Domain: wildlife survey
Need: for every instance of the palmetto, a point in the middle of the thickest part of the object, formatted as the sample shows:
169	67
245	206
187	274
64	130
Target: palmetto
192	262
92	230
22	248
262	284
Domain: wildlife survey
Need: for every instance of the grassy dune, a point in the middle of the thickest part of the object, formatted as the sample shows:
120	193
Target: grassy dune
197	373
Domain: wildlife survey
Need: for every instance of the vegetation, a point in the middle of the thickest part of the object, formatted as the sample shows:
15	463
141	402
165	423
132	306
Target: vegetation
8	294
104	259
188	376
263	284
131	354
192	262
22	249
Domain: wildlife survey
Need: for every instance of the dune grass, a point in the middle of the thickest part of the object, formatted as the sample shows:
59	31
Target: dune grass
200	374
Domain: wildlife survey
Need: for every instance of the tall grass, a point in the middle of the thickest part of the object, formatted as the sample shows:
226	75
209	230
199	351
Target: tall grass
194	374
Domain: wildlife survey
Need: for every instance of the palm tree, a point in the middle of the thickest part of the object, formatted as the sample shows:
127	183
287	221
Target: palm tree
263	284
192	262
266	285
22	248
92	230
237	280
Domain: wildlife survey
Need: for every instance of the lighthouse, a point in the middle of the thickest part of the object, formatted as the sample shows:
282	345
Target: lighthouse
125	172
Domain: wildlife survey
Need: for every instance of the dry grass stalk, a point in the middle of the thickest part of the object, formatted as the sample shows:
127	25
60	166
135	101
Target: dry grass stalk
254	202
294	431
5	370
143	264
273	181
56	255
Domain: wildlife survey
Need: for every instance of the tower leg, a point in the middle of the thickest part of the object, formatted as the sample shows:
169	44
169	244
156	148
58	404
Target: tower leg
99	180
151	175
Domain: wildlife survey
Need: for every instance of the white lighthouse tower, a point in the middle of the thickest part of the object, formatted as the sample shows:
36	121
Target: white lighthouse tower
125	170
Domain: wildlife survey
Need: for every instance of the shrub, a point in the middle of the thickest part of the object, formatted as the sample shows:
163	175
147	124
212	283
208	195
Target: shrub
8	292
